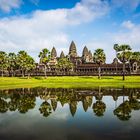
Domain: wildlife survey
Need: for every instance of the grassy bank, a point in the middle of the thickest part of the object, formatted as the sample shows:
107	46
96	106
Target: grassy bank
69	82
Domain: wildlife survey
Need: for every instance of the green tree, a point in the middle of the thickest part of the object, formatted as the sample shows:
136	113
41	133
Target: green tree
21	60
12	61
99	58
64	65
135	57
3	62
44	56
123	54
30	65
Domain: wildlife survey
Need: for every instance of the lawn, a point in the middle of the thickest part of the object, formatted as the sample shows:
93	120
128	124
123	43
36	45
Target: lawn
69	82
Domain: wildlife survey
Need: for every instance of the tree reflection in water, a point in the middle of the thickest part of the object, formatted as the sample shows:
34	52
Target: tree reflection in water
123	111
45	109
23	100
99	108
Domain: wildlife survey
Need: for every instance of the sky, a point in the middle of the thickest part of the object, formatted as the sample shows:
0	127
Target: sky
32	25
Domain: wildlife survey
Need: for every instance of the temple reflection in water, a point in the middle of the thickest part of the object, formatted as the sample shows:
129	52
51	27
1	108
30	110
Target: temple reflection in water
23	100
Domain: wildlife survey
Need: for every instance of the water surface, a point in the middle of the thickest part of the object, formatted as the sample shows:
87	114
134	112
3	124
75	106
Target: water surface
70	114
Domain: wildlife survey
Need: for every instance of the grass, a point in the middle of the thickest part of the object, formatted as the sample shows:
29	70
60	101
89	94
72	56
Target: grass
69	82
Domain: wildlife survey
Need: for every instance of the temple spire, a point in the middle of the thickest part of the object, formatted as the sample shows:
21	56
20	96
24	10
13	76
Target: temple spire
85	51
73	50
53	53
62	55
90	56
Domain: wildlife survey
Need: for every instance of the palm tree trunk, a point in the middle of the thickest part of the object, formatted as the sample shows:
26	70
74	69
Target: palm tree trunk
99	72
116	64
22	73
123	94
2	72
12	72
130	67
28	75
45	71
123	71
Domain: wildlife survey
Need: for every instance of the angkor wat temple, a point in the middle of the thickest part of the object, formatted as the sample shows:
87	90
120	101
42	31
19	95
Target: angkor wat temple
85	65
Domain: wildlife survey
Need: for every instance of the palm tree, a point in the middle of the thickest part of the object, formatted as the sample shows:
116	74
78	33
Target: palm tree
99	58
116	50
30	65
12	61
123	55
3	62
21	60
44	56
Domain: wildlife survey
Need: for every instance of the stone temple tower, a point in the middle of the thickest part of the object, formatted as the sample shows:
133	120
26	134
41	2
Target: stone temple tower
90	56
53	60
53	53
62	55
86	55
72	50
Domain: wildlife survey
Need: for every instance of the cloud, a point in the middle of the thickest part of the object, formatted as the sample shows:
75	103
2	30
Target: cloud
128	24
41	30
130	36
87	10
45	29
8	5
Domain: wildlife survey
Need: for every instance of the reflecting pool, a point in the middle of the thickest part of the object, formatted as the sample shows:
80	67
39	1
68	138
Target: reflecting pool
70	114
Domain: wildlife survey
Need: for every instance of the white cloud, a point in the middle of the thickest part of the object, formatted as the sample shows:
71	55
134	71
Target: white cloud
87	10
45	29
131	36
7	5
128	24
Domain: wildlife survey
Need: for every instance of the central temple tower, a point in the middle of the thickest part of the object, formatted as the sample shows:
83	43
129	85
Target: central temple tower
72	50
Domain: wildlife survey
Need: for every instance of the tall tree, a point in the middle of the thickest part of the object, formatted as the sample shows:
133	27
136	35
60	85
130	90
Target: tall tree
44	56
123	54
3	62
30	65
12	61
99	58
21	60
